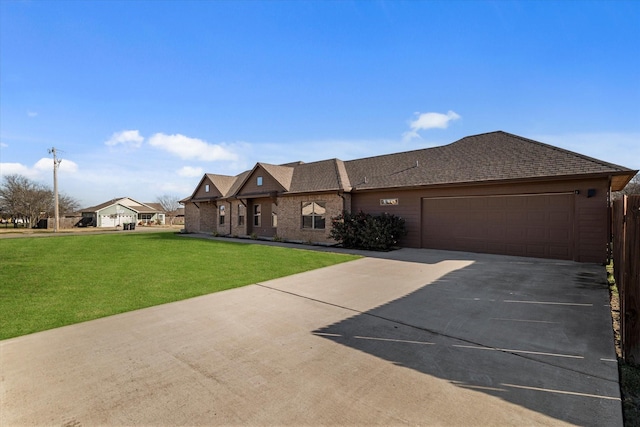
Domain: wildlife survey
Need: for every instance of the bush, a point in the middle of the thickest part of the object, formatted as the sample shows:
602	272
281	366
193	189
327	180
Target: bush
365	231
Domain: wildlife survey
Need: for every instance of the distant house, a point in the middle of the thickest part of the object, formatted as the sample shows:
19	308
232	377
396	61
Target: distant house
121	211
494	193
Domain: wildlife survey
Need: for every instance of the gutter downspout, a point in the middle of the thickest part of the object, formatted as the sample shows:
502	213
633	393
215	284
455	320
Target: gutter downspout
341	195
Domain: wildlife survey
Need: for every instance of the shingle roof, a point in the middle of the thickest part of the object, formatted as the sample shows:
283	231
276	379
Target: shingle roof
486	157
100	206
317	176
124	201
157	207
143	208
239	179
494	156
282	174
222	182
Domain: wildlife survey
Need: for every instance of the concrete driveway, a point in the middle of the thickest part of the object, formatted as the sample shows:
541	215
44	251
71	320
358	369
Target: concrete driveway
415	337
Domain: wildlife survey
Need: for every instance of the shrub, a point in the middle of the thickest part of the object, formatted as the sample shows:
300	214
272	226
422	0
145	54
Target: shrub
365	231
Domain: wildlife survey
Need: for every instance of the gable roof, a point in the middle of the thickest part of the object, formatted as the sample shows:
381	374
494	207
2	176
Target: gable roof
282	174
488	157
124	201
239	180
222	182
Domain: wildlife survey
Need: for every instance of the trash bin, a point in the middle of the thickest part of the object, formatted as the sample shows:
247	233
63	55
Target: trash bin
125	226
132	226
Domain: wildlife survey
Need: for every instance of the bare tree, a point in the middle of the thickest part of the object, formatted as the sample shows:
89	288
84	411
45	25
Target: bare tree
170	204
67	204
633	187
22	198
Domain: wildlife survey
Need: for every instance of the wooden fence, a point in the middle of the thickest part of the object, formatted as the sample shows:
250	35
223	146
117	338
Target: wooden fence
626	270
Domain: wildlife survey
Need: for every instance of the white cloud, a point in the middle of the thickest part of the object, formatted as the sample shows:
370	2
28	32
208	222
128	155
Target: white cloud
3	145
42	169
32	114
426	121
191	148
128	138
15	168
190	171
46	164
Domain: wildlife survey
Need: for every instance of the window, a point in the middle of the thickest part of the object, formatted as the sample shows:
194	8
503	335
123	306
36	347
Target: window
313	215
256	215
259	181
206	188
222	214
241	215
274	216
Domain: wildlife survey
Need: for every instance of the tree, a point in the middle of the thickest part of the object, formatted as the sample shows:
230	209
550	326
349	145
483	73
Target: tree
22	198
66	204
170	204
633	187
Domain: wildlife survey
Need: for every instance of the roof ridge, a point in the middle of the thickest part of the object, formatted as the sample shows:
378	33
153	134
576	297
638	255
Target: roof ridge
425	148
344	183
564	150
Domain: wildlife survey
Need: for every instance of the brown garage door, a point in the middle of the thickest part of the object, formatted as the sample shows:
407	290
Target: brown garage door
538	225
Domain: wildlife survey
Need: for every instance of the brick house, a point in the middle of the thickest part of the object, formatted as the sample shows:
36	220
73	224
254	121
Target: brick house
494	193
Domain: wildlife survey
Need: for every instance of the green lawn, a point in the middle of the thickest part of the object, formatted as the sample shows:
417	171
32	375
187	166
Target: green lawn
47	282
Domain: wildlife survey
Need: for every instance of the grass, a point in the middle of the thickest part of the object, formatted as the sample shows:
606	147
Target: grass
629	374
48	282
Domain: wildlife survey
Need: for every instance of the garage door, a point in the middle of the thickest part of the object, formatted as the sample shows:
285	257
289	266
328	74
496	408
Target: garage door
538	225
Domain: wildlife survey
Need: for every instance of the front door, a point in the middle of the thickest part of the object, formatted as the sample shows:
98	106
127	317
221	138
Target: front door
262	217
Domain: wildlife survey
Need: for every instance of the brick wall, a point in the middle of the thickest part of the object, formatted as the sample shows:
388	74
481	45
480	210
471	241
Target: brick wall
208	217
224	229
289	211
290	217
191	218
238	230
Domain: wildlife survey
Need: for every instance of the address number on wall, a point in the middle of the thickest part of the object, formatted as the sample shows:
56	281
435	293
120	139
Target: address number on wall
388	202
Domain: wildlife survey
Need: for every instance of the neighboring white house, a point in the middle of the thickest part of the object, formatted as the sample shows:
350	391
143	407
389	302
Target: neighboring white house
121	211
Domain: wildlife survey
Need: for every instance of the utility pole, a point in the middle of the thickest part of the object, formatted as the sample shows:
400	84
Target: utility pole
56	165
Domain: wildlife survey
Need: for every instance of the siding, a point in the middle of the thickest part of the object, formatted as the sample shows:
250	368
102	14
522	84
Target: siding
201	193
590	221
269	184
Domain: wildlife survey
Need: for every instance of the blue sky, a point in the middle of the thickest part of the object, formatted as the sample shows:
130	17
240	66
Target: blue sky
143	97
